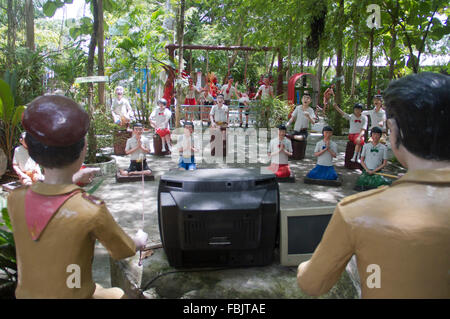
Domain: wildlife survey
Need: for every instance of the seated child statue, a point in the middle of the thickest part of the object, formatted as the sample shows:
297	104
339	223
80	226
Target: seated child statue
280	148
55	223
186	148
358	127
25	167
325	151
137	147
159	120
373	160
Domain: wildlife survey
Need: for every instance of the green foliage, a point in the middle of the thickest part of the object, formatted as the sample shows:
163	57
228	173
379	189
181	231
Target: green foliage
10	116
51	6
7	250
270	112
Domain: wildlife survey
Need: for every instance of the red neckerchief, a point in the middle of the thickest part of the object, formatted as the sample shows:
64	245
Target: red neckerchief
39	210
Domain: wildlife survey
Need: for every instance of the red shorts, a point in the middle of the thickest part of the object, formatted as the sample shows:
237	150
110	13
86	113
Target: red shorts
353	137
162	132
190	102
280	170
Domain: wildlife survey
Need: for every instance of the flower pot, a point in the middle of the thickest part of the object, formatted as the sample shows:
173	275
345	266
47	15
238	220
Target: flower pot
120	141
106	164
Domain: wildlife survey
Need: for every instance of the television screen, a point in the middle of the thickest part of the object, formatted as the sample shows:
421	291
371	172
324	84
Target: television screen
301	231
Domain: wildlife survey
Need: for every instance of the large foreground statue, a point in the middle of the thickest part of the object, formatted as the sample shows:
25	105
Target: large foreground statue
400	234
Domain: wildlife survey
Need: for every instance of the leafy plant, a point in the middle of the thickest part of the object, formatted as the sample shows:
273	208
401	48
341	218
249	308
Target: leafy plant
10	116
270	112
7	252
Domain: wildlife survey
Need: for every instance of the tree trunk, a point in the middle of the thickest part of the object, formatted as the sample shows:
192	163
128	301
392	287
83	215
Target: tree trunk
280	72
301	54
369	79
289	59
391	51
29	20
180	38
92	140
101	56
319	73
355	59
11	33
339	56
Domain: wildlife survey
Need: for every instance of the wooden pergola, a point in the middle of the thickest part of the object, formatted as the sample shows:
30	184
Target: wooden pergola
172	47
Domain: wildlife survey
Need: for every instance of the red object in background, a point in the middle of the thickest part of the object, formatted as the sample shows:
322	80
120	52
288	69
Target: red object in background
79	183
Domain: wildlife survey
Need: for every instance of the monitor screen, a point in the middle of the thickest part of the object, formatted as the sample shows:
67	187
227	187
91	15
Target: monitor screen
305	232
301	231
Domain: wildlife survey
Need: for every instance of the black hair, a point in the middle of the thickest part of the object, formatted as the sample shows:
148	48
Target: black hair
358	106
137	124
419	105
376	129
220	94
282	127
378	97
53	156
188	123
327	128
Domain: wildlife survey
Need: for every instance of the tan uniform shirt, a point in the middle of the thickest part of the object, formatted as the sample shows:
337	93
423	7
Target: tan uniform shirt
404	229
68	239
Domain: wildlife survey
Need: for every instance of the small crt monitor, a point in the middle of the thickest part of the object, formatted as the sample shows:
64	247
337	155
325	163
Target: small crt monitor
301	231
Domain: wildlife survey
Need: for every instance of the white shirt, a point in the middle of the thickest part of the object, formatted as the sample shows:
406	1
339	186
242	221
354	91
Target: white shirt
132	143
220	114
265	90
230	89
374	155
274	146
185	143
121	108
301	121
23	160
356	124
376	118
325	159
161	118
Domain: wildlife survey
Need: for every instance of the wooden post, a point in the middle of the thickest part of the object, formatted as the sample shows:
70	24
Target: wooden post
280	73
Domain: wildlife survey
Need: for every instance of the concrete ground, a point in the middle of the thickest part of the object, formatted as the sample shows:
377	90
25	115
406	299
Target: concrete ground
126	203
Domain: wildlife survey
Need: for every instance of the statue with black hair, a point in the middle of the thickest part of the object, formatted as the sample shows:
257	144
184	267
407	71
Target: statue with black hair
55	222
373	159
138	146
280	148
357	130
399	234
325	151
186	148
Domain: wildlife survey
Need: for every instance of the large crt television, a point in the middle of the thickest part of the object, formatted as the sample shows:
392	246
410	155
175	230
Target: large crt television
218	217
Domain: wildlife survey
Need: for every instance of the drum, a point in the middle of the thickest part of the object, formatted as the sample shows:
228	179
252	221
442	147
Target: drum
349	150
120	141
298	148
157	146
